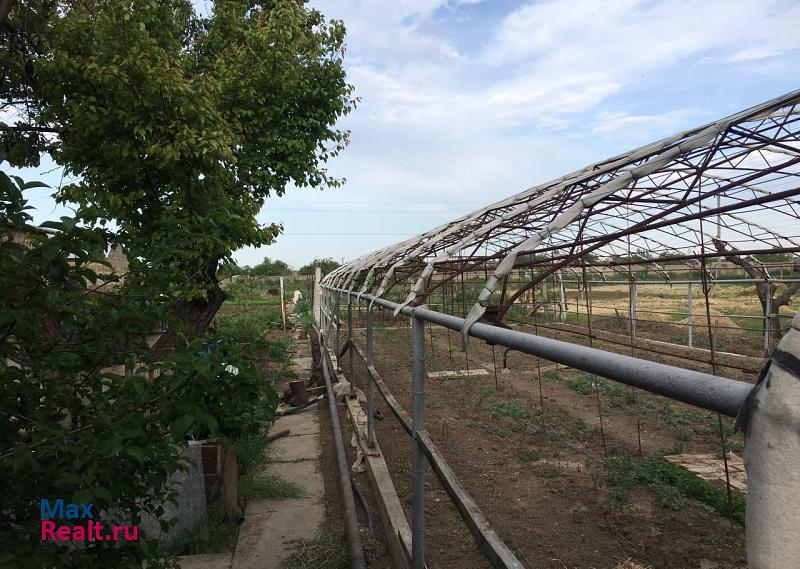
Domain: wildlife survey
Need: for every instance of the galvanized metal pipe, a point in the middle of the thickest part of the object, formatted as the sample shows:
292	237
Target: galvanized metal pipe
683	282
689	302
633	308
713	393
370	383
355	550
350	343
767	310
417	449
338	300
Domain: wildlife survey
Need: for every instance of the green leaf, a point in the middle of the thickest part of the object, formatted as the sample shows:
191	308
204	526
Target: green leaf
82	496
136	453
181	425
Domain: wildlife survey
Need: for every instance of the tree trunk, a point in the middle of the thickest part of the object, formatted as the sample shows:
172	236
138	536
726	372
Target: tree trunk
192	317
770	306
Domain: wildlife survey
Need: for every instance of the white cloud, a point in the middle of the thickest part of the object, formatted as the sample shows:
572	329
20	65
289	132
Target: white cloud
473	109
609	123
546	61
630	36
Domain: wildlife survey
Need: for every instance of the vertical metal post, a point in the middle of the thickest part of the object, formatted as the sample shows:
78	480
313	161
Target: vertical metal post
767	323
633	308
323	319
316	291
546	298
337	299
350	343
328	314
370	387
689	302
283	305
417	455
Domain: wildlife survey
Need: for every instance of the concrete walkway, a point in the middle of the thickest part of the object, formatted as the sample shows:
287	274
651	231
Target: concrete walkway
273	528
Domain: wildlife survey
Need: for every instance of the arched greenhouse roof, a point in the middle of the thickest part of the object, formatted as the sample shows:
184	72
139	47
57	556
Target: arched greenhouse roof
730	186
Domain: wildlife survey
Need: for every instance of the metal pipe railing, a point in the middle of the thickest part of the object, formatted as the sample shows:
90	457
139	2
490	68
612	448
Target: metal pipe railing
713	393
417	451
710	392
355	549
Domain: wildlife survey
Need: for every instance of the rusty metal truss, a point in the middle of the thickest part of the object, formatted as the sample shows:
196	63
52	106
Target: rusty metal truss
731	185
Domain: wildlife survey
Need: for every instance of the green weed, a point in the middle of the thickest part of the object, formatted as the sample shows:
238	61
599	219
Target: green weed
672	484
328	551
508	409
268	487
581	384
221	534
677	448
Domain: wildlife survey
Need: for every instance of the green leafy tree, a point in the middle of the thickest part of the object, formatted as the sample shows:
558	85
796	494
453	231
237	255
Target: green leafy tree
326	264
174	126
82	414
229	269
270	268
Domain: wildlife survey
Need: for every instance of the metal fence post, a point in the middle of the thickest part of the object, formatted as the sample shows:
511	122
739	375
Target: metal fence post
327	313
322	321
689	302
350	344
767	323
283	304
370	402
417	455
633	308
338	300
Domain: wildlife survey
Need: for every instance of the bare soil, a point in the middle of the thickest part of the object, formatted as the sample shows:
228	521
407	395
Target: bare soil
536	466
374	544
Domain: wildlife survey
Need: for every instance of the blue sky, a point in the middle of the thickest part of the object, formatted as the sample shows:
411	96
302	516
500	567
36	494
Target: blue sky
465	102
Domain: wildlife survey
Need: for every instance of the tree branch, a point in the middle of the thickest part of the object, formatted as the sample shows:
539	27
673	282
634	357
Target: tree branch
751	268
5	9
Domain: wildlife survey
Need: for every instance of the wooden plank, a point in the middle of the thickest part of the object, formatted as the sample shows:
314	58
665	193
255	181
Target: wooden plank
398	532
497	552
457	373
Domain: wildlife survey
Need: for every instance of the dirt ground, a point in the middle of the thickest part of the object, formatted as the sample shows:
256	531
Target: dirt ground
533	456
374	544
662	313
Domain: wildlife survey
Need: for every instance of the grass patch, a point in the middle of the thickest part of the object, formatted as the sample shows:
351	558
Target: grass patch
221	535
253	484
388	335
677	448
253	289
249	326
328	551
618	394
581	384
681	421
672	484
304	316
489	430
268	487
508	409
